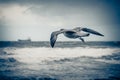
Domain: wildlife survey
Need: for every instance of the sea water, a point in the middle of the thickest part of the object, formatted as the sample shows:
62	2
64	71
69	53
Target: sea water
66	61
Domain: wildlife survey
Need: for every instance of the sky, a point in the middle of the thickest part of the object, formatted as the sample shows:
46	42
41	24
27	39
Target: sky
37	19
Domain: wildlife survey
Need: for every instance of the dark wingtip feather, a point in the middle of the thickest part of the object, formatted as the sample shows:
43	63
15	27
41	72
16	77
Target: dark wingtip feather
52	44
102	35
92	31
52	40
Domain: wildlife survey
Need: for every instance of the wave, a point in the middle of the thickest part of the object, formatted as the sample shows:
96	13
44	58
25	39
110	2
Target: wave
26	78
59	63
36	55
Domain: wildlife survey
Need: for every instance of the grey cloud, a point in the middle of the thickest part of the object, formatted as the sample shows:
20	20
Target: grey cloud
60	2
72	11
2	28
53	10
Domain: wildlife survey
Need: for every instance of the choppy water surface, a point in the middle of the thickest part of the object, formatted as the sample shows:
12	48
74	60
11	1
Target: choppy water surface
67	61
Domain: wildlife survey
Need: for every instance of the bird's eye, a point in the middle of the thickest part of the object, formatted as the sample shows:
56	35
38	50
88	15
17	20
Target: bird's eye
61	29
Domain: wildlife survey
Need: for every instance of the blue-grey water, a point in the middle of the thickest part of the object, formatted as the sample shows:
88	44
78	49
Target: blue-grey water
67	61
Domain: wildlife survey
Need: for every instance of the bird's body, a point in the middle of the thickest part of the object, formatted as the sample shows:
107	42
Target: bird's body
70	34
73	34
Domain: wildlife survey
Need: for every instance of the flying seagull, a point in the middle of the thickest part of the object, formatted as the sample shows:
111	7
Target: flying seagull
77	32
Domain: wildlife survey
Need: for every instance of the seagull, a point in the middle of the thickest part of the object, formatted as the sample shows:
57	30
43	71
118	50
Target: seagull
78	32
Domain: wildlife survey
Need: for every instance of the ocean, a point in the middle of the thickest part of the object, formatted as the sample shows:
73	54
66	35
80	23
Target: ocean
66	61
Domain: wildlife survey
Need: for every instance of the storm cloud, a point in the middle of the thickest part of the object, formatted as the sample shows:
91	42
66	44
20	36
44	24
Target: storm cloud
35	18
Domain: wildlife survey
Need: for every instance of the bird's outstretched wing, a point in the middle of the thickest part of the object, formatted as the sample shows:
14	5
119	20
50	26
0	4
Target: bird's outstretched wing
53	38
88	30
92	31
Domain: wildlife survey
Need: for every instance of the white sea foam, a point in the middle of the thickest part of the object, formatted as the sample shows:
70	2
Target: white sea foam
36	55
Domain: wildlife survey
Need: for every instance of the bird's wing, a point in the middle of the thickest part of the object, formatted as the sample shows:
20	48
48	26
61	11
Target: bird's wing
53	37
88	30
91	31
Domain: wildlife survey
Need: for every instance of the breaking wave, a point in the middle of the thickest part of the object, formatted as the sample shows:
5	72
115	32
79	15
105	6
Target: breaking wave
44	63
36	55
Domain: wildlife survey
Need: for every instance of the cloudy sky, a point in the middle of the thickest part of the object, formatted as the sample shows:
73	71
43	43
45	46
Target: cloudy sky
20	19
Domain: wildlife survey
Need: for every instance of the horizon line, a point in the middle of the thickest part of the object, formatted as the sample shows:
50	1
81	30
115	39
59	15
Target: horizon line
61	41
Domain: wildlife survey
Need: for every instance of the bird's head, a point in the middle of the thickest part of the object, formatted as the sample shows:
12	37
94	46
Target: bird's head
62	29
